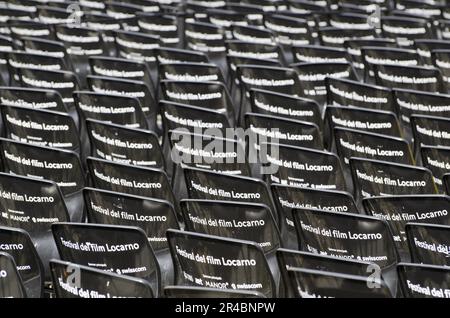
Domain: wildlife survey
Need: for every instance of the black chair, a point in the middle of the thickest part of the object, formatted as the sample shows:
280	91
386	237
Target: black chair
163	25
47	47
375	178
344	92
44	99
400	210
288	31
61	166
201	259
12	286
312	77
356	143
33	205
195	150
129	179
288	259
208	95
276	129
368	120
428	243
288	197
424	281
435	158
319	284
405	30
318	54
154	216
208	185
64	82
18	244
77	281
121	110
123	250
127	88
277	79
80	43
267	102
305	168
17	59
427	79
41	127
350	236
238	220
124	145
121	68
391	56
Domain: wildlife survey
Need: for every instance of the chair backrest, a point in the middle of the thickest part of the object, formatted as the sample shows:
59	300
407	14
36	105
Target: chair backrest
32	98
120	249
288	197
343	92
127	88
405	30
312	77
11	284
18	244
120	68
204	37
171	55
154	216
47	47
244	221
31	204
346	235
201	259
192	118
428	79
356	143
317	54
428	243
163	25
136	46
424	281
183	71
435	158
303	167
61	166
120	110
129	179
124	145
207	185
72	280
41	127
288	31
17	59
276	79
418	102
319	284
64	82
291	107
209	152
369	120
298	259
376	178
283	131
387	56
208	95
401	210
